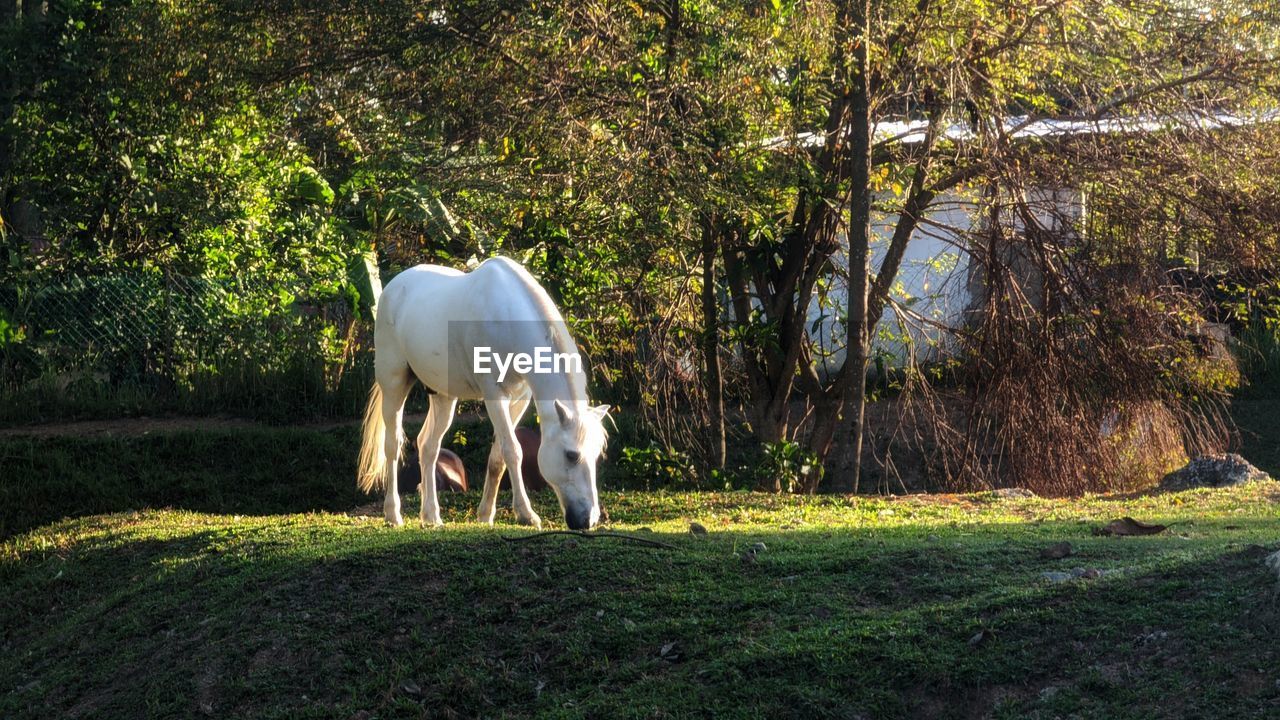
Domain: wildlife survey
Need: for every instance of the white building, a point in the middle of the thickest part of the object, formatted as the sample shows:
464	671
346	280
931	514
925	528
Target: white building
936	284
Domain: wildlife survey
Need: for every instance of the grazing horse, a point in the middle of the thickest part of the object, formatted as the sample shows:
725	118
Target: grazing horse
482	335
530	440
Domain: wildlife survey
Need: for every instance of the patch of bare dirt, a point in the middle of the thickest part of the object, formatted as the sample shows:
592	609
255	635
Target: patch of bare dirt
138	426
125	427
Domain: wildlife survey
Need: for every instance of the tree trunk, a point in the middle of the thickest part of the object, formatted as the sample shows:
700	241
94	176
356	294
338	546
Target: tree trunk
853	384
768	393
711	344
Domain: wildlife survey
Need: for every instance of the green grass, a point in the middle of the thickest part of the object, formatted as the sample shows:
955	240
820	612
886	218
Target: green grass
247	470
858	608
266	470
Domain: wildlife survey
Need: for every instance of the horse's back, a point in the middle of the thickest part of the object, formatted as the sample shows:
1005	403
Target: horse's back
420	278
419	305
498	289
424	291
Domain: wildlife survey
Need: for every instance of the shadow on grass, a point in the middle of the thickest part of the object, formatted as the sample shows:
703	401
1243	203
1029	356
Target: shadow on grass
174	614
231	471
254	470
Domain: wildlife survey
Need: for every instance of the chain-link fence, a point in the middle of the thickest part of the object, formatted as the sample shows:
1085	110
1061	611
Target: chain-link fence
170	334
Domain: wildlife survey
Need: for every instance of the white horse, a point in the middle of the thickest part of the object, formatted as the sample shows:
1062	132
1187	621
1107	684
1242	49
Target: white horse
452	331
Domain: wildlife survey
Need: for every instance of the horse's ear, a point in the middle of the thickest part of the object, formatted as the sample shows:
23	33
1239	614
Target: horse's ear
602	410
563	413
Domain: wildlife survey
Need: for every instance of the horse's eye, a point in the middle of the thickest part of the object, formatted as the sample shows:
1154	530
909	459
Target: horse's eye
572	456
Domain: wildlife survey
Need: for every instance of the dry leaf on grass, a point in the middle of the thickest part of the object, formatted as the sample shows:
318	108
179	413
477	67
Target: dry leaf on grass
981	637
670	652
1127	526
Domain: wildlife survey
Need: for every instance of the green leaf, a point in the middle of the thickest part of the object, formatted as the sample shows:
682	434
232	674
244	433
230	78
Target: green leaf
306	184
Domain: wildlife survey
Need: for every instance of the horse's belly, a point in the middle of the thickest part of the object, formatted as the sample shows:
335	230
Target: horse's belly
431	364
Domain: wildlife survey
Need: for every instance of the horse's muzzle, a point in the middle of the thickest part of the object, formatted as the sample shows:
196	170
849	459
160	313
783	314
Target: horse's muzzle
578	518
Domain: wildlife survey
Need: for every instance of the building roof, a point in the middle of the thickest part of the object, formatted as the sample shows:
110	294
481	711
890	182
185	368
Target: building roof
910	132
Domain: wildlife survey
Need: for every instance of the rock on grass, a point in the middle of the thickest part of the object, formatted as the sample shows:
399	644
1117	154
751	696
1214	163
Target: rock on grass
1213	471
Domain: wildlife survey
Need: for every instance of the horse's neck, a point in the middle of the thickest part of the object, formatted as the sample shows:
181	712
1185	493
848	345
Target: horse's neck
568	387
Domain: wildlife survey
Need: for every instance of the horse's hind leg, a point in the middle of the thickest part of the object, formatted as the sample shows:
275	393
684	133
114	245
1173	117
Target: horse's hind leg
504	435
493	469
439	418
395	388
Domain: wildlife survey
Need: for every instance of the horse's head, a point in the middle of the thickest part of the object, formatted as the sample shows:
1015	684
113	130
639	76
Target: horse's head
567	459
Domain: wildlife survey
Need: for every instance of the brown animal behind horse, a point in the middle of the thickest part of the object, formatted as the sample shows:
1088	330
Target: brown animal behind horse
451	474
530	441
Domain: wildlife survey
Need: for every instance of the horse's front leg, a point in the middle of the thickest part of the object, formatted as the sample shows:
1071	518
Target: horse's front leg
504	435
496	465
439	418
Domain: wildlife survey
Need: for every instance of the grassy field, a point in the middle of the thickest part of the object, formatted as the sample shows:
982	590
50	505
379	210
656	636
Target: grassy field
853	608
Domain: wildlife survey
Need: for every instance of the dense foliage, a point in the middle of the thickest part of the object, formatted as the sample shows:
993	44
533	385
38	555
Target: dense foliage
679	173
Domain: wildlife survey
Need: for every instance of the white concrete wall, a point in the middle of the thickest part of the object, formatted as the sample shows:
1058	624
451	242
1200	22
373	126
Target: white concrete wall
933	282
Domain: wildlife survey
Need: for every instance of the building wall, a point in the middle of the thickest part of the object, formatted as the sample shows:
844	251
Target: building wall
935	284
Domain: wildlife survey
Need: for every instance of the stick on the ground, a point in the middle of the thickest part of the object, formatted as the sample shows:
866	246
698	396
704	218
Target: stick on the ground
592	536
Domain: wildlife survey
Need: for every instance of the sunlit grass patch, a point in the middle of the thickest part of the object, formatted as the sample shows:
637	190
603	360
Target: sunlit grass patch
850	606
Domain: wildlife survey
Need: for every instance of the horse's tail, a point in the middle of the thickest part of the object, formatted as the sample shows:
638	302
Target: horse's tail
371	472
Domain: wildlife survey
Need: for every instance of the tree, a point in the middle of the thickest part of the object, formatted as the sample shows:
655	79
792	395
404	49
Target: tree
640	158
989	67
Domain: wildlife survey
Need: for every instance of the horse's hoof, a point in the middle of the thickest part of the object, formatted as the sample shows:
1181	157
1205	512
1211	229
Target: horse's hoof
437	523
532	520
395	521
